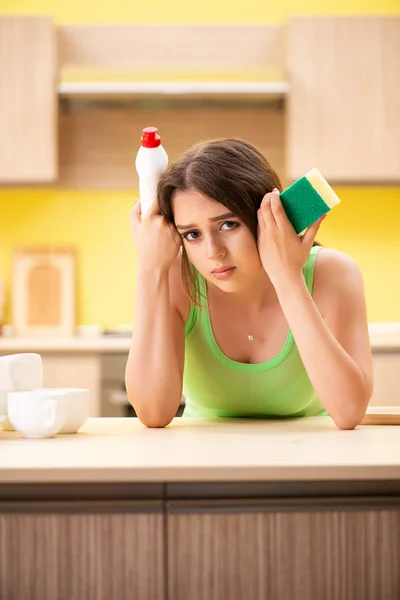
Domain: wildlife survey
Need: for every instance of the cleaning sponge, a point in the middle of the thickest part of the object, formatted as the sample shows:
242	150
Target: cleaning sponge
308	199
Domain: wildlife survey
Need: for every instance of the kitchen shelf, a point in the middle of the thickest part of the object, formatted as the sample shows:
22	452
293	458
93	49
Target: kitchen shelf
173	88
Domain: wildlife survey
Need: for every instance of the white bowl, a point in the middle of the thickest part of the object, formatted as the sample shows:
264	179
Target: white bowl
5	424
76	404
3	404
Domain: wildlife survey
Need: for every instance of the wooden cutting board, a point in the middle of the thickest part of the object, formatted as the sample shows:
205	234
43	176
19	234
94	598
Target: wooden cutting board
44	291
382	415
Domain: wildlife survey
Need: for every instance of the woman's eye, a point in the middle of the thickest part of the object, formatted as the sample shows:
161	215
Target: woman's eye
232	224
192	236
190	233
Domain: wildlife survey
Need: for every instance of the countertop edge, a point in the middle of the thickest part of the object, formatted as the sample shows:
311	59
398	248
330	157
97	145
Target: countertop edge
245	474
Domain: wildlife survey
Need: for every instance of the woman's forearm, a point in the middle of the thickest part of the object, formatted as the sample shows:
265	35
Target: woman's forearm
337	379
153	375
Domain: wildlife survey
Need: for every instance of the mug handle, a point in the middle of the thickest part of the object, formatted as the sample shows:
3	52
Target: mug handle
51	413
51	407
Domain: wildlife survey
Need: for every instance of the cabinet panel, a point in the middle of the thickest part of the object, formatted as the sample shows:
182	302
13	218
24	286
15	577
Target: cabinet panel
28	101
343	112
195	48
75	370
335	555
81	556
98	146
386	379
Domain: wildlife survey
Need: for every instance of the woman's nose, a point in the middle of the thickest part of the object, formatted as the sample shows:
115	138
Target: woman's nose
215	248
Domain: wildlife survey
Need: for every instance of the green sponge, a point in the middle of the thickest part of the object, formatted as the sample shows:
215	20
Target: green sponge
308	199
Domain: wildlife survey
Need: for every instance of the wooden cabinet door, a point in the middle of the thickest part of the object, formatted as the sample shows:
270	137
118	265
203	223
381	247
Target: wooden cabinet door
28	100
343	107
386	379
252	554
78	556
74	370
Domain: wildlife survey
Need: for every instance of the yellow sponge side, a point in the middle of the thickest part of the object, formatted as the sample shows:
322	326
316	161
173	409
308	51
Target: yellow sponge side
322	187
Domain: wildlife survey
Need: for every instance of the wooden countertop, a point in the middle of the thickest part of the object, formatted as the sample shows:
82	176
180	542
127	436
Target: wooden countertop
383	336
123	450
88	345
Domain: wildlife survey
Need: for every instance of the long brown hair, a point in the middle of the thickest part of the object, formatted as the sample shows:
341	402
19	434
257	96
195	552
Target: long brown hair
230	171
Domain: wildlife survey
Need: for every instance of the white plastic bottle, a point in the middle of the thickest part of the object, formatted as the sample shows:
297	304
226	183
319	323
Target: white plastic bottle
151	162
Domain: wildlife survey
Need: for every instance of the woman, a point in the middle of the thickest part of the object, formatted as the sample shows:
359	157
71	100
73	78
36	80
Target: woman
236	309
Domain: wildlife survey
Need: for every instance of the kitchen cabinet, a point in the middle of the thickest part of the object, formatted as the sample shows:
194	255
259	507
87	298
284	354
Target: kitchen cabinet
201	510
337	108
386	378
181	123
198	82
316	91
28	100
81	551
74	370
343	107
87	370
257	552
68	369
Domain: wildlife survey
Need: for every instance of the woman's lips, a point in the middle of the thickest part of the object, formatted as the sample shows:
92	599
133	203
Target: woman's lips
223	274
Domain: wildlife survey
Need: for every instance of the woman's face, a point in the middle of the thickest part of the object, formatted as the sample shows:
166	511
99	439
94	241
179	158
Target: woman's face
214	238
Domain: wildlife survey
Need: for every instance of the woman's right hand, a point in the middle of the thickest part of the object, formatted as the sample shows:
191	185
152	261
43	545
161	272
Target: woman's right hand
157	242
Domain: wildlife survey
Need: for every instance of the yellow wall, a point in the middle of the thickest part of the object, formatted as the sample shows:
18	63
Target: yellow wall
184	11
96	224
365	225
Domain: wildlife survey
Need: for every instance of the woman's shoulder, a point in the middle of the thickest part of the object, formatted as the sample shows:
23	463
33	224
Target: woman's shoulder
336	275
178	296
333	263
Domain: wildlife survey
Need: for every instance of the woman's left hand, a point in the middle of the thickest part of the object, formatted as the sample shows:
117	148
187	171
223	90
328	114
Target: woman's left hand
283	253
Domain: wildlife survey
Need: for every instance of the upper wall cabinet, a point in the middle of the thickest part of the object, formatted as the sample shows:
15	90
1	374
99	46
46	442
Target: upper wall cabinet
28	100
344	104
193	82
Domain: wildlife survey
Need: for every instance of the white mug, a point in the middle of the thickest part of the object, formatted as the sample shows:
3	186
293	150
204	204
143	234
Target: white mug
36	413
18	372
21	372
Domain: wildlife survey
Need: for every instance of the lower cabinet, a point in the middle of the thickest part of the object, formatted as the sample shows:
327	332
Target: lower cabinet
254	555
283	549
75	370
386	378
72	556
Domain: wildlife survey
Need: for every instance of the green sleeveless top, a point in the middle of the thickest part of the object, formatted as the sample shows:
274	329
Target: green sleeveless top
217	386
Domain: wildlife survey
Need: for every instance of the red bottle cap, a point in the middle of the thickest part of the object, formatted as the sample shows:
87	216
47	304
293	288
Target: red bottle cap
150	137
